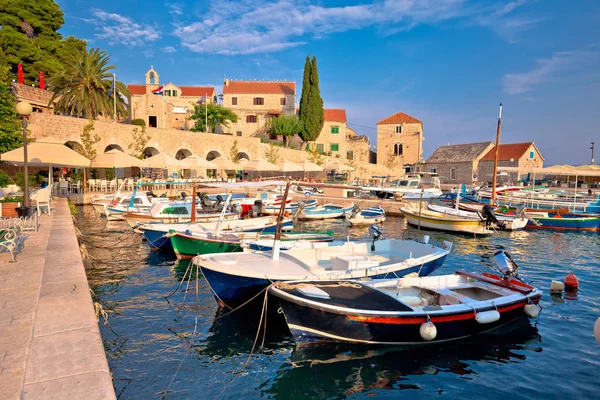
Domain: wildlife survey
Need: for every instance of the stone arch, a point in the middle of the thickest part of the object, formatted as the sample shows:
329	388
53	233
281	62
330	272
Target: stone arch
113	146
212	155
182	153
78	147
150	151
241	155
152	76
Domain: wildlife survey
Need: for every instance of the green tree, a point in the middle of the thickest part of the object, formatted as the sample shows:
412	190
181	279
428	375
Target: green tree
217	116
84	87
139	140
10	126
285	125
272	153
89	140
29	35
314	156
312	114
233	152
305	88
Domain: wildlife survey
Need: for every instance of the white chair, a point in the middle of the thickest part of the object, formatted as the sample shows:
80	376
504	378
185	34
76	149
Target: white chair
55	188
74	187
113	185
63	187
43	199
130	184
103	185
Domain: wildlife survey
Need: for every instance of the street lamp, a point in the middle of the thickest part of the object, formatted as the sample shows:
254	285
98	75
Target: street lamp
24	109
592	153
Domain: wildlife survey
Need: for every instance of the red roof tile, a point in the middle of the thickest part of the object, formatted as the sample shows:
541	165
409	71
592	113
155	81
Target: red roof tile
399	118
197	91
137	89
335	115
256	87
508	151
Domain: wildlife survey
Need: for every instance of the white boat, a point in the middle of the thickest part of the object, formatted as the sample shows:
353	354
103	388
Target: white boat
508	223
100	202
366	216
289	207
399	186
175	212
445	222
121	204
326	211
238	277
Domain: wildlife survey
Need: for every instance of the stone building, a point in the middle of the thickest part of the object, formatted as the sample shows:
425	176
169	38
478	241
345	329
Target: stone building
38	98
255	102
399	143
458	163
171	108
357	147
518	159
333	137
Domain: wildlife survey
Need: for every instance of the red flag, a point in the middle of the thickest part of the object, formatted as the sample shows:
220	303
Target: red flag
42	85
21	80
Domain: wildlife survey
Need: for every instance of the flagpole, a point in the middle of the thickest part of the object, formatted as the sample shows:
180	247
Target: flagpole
115	96
163	108
206	112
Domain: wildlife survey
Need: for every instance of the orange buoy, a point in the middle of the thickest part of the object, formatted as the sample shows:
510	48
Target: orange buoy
571	281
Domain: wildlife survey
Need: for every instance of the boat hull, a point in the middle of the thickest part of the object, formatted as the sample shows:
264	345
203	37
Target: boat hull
134	219
450	225
566	223
233	290
186	246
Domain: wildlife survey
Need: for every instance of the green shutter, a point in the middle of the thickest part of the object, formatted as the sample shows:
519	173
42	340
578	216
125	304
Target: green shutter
335	129
334	147
320	148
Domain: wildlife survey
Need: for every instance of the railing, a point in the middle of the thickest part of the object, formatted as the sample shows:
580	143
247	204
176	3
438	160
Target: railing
30	223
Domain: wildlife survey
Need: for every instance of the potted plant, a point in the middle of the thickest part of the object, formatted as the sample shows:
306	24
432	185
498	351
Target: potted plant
8	205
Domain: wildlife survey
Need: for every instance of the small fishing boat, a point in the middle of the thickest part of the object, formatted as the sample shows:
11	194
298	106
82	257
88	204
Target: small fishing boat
238	277
445	222
175	212
99	203
157	233
190	244
407	311
366	216
118	208
292	208
323	212
503	222
565	222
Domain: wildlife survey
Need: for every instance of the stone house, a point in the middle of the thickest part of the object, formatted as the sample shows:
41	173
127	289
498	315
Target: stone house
38	98
255	102
518	159
169	110
357	147
333	137
399	143
458	163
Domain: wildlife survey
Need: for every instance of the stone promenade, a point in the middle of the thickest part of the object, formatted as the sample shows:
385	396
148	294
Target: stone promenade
50	344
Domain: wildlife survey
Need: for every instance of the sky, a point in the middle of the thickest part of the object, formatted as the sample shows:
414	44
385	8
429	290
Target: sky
448	63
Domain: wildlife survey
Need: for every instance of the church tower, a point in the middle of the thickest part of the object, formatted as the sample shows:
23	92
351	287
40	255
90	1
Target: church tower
152	76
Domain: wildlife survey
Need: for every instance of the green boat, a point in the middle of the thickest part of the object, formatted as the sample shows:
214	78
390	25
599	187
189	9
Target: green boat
189	245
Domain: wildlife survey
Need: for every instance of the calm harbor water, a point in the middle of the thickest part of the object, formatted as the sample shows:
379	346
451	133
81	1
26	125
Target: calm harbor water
151	349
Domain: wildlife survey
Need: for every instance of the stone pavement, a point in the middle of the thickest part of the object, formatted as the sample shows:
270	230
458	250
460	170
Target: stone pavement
50	344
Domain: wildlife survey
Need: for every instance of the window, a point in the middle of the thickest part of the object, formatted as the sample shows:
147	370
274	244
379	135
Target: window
259	101
282	101
238	133
349	154
432	170
398	149
174	93
398	128
272	136
320	148
531	155
335	129
234	101
167	93
334	147
453	174
250	118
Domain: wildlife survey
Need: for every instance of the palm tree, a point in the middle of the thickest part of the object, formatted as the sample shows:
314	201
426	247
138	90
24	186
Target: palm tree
83	89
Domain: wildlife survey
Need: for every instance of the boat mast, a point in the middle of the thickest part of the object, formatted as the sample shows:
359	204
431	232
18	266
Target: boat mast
493	201
279	222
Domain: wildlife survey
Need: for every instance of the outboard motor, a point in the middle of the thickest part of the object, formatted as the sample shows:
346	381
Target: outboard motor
256	210
506	265
376	232
487	212
183	195
150	193
164	195
207	203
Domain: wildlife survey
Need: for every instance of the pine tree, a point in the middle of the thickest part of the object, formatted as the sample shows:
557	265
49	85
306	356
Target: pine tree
10	127
312	116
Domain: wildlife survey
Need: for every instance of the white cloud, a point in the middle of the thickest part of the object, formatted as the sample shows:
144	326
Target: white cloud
168	49
123	30
175	9
260	26
544	70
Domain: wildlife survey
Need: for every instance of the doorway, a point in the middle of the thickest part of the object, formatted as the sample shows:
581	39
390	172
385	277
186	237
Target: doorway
152	121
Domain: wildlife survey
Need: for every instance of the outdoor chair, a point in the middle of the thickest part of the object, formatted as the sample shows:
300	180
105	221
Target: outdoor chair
130	184
74	187
113	185
103	185
10	239
43	199
55	188
63	187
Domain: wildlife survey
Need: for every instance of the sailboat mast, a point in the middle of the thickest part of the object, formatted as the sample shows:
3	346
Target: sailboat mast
493	202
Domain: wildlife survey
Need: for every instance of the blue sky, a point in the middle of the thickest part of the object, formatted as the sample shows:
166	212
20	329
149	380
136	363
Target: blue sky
446	62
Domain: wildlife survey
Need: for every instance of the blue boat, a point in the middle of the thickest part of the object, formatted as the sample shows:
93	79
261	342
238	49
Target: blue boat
367	216
565	222
324	212
238	277
157	233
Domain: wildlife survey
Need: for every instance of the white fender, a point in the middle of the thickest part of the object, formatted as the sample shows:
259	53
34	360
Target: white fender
428	331
487	317
597	330
556	287
532	311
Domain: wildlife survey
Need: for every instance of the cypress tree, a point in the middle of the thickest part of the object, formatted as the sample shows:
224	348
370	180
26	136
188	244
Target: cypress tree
311	115
305	94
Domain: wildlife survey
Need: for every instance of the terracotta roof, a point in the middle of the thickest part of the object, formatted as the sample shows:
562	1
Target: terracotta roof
399	118
459	152
508	151
186	91
257	87
335	115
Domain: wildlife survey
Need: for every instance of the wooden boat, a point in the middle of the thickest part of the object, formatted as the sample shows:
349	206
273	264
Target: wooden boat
121	204
157	233
238	277
190	244
507	223
565	222
323	212
405	311
445	222
366	216
289	207
174	212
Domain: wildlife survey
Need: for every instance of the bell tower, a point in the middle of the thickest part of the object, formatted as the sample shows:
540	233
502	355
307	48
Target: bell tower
151	76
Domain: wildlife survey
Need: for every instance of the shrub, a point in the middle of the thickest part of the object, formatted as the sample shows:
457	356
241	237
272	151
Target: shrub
138	122
20	181
4	179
